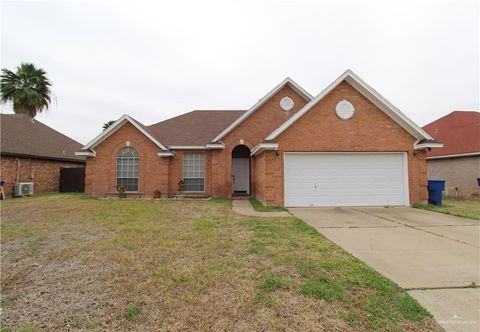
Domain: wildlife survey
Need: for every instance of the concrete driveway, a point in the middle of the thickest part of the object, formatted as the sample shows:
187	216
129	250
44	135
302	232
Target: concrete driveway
434	256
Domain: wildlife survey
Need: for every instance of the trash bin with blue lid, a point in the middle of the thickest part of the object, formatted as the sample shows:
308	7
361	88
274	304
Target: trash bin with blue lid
435	189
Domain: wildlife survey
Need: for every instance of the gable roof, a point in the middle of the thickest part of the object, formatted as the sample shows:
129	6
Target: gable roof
196	128
287	81
117	125
367	91
459	131
23	136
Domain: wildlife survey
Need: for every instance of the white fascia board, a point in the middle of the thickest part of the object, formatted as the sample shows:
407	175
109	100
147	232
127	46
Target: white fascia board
86	153
262	101
263	147
458	155
187	147
117	125
421	146
215	146
165	154
350	77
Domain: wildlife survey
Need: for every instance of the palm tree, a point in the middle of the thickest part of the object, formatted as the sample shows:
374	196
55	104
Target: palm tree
28	89
108	124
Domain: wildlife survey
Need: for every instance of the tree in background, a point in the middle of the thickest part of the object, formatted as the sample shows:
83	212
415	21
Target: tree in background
108	124
28	89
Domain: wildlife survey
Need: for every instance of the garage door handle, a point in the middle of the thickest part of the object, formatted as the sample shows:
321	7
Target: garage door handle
314	186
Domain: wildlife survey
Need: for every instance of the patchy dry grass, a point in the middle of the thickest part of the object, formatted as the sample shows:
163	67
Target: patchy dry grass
461	207
74	263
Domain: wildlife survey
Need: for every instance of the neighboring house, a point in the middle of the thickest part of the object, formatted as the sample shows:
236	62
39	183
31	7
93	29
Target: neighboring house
33	152
458	162
347	146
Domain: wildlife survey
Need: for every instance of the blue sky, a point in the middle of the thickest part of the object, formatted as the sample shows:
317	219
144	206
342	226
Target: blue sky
154	60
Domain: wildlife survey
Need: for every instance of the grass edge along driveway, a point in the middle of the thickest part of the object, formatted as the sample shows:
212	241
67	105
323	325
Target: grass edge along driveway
177	265
460	207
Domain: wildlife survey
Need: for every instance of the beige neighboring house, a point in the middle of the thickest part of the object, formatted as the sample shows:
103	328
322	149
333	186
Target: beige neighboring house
458	162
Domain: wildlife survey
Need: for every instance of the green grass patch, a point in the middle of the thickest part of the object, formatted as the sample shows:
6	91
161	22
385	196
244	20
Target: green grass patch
262	208
329	273
460	207
324	288
132	311
272	282
3	303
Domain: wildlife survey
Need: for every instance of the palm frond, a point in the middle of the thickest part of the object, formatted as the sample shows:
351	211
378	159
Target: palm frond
28	89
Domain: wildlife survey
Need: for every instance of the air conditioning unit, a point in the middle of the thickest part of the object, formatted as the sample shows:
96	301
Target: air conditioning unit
23	189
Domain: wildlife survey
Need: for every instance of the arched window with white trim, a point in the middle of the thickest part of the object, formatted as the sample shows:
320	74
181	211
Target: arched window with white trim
127	169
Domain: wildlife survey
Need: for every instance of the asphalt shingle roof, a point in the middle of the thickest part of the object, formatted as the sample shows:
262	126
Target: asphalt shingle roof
193	128
23	136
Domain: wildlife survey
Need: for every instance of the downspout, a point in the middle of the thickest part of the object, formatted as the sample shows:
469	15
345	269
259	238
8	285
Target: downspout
18	170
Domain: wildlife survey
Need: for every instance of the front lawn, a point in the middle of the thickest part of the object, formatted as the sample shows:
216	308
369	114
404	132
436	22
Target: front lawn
462	207
69	262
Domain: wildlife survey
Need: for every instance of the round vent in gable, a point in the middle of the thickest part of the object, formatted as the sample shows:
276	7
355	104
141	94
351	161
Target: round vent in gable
286	104
344	109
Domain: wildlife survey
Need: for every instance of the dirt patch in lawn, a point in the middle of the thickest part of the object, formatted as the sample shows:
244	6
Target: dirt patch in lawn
69	262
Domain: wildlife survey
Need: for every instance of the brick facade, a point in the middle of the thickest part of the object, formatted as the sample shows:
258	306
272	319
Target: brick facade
369	130
44	173
457	172
251	132
100	172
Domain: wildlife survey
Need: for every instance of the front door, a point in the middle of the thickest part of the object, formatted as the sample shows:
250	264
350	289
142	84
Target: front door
241	175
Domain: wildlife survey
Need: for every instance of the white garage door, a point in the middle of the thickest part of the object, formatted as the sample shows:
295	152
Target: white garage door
345	179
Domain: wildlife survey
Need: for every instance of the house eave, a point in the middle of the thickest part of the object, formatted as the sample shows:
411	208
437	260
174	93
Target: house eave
165	154
90	153
187	147
430	145
215	146
457	155
263	147
287	81
117	125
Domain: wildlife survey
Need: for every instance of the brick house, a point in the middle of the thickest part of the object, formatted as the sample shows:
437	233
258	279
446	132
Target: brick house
33	152
458	162
347	146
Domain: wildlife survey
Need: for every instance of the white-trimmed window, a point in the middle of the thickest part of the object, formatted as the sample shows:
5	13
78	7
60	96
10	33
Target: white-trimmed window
193	172
127	169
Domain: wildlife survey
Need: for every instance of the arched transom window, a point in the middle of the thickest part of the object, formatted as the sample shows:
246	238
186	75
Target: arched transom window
127	169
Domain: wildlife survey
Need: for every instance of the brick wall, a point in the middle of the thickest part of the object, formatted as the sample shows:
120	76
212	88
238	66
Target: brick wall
250	132
457	172
176	170
45	174
260	177
369	130
100	172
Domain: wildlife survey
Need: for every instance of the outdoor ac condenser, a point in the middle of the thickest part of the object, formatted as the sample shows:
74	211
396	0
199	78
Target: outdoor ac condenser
23	189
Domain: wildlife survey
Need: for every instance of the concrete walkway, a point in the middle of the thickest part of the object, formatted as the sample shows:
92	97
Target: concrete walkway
434	256
243	206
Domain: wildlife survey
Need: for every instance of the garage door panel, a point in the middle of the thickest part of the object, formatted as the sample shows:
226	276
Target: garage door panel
344	179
